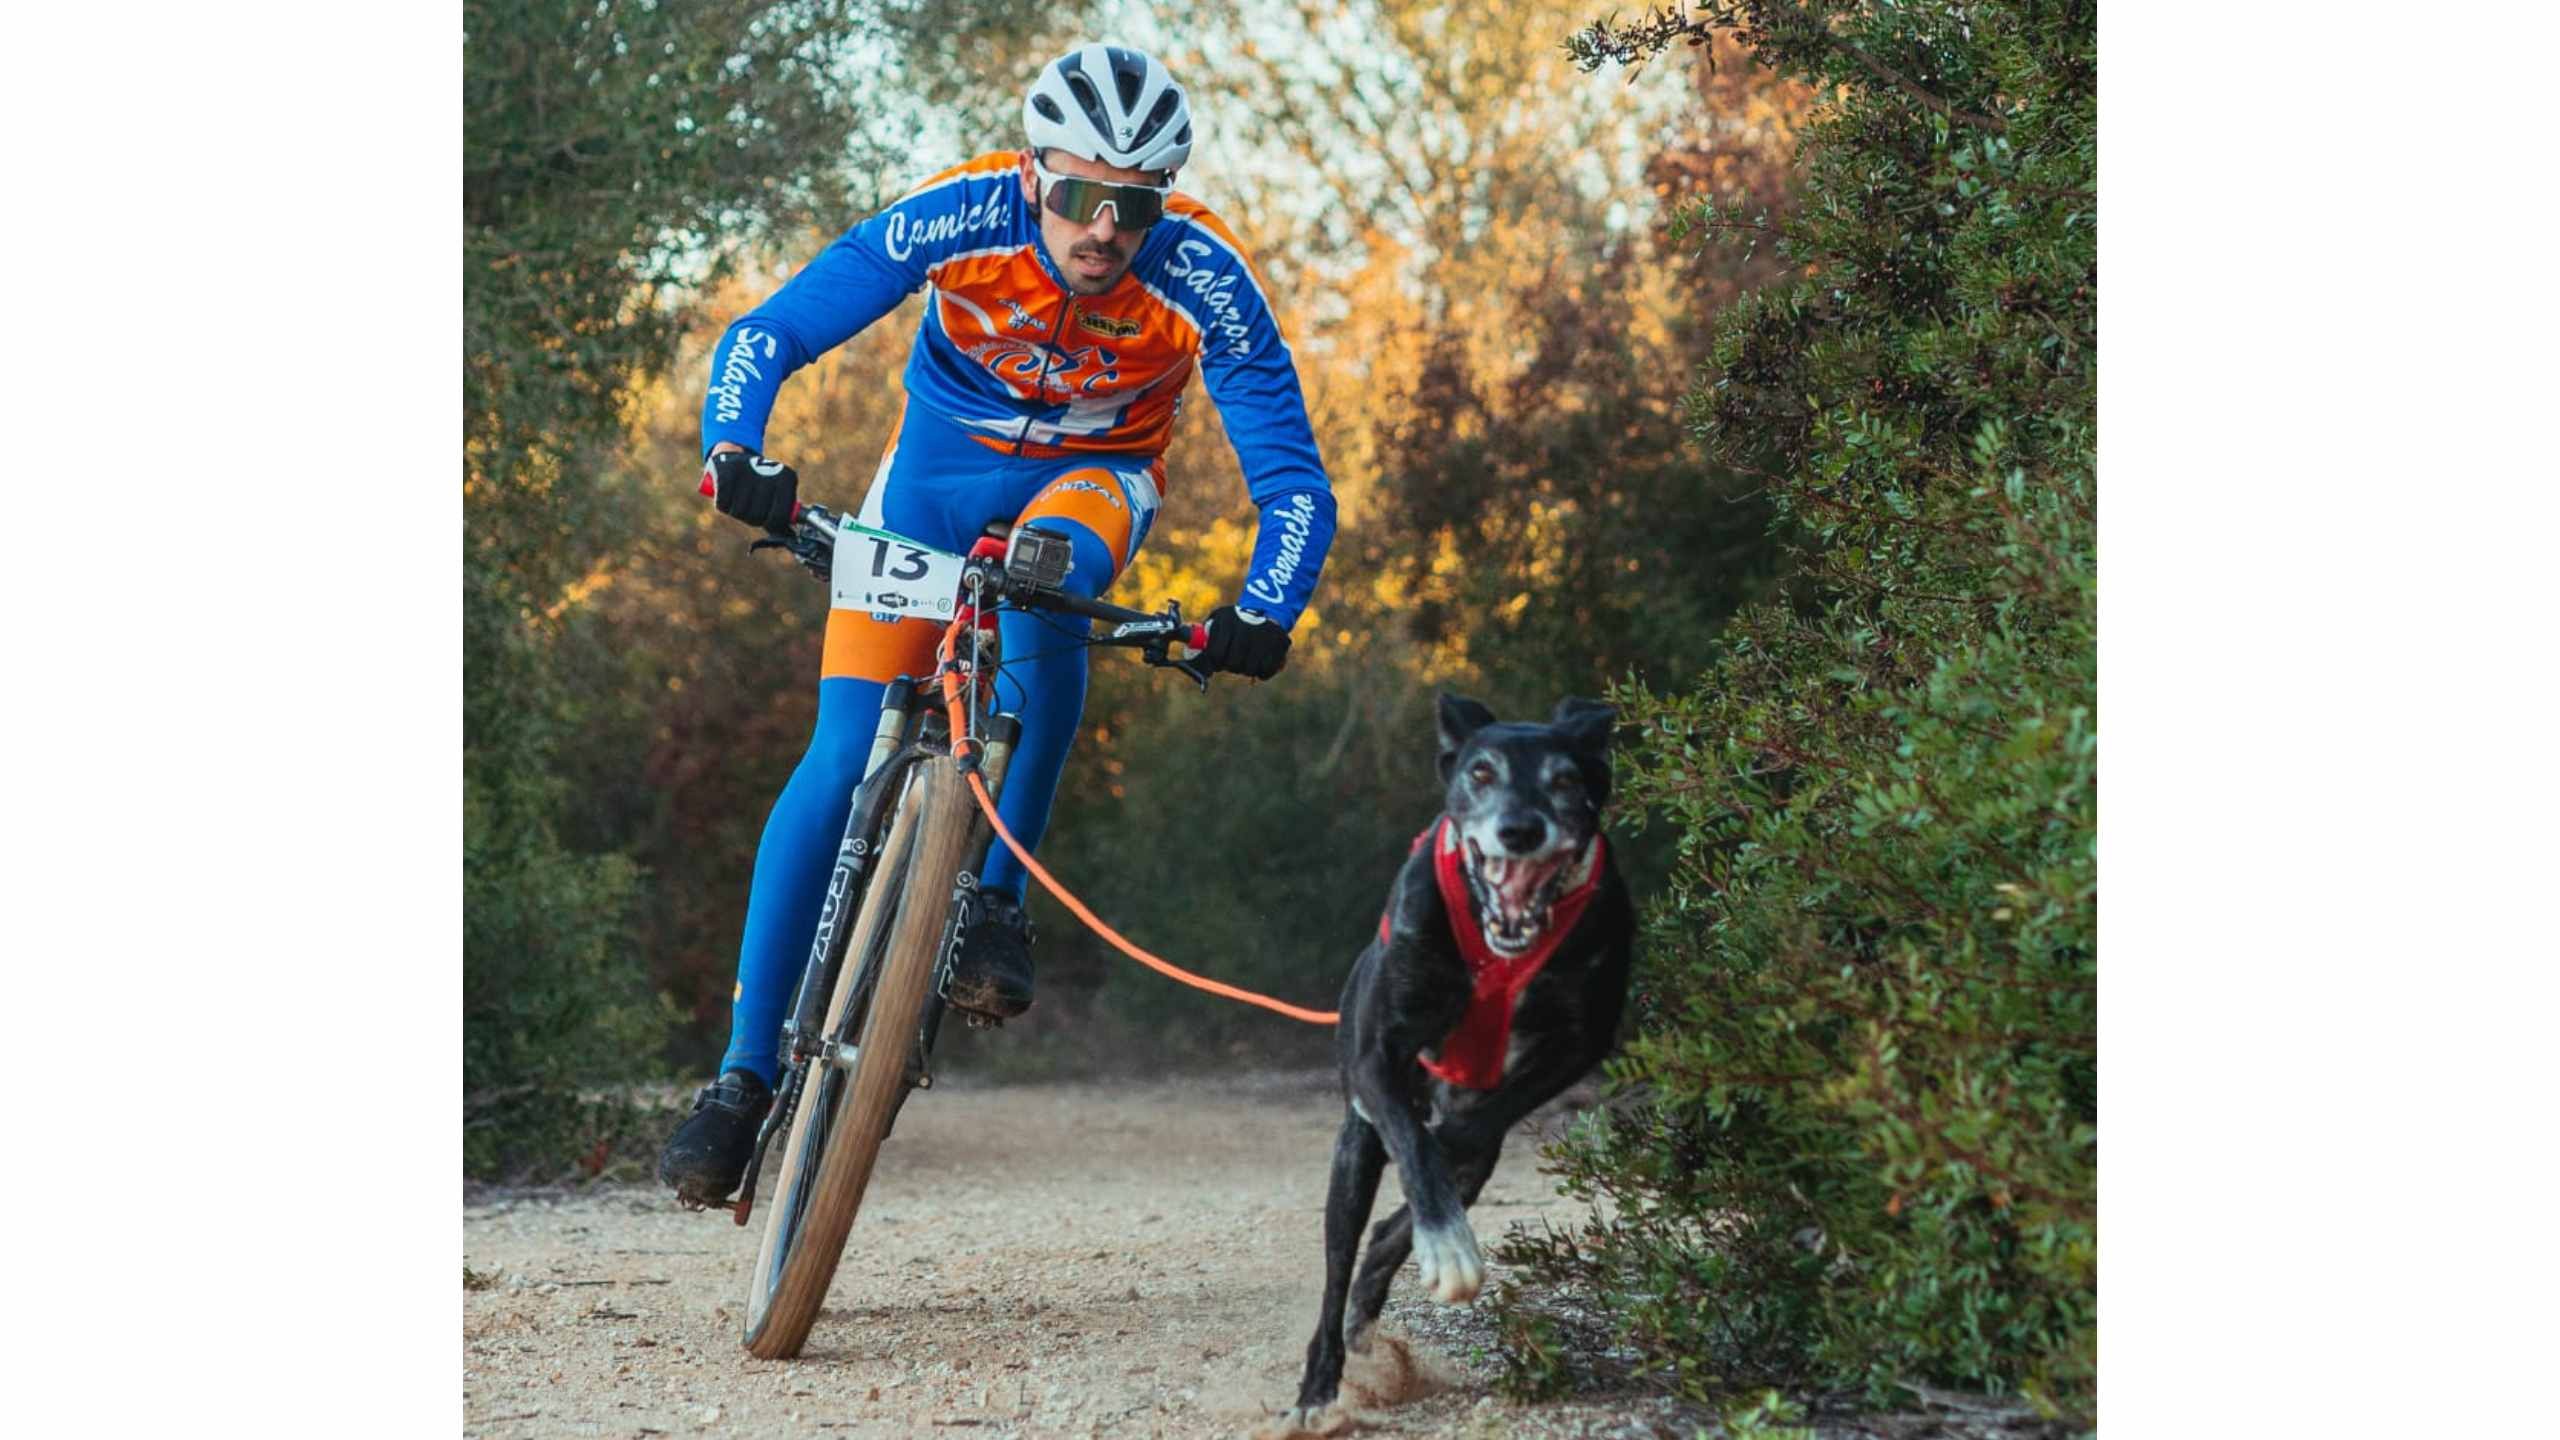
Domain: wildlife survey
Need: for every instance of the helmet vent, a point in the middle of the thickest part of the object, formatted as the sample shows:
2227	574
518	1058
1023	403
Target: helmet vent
1129	73
1088	100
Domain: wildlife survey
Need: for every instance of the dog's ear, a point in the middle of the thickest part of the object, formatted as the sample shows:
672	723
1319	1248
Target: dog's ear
1460	717
1585	723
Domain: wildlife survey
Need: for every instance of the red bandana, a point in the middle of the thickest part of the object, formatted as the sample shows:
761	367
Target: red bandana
1472	1054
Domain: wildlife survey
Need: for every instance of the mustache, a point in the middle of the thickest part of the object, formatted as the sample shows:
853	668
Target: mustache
1096	250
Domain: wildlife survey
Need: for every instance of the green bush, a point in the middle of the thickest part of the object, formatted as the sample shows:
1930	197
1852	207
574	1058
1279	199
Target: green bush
551	1000
1854	1138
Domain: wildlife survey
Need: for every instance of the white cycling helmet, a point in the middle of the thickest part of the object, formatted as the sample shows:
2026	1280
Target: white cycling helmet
1111	105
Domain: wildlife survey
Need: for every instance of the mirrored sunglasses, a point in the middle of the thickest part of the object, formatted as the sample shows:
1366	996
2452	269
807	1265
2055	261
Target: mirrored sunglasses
1072	198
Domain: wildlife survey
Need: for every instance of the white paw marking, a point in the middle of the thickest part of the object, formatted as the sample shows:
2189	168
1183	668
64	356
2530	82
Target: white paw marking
1306	1420
1452	1267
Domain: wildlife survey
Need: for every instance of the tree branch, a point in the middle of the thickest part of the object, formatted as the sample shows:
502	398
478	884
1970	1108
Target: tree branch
1911	87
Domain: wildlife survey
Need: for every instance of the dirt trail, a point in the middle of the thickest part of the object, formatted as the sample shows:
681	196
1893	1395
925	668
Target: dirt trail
1034	1261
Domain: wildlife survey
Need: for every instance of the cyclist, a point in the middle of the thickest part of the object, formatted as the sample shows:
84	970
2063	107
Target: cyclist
1071	292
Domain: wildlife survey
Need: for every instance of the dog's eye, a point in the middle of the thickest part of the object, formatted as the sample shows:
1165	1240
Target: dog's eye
1567	783
1480	772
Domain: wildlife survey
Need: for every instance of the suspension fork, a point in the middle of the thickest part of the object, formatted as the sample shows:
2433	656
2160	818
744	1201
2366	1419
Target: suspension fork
897	743
805	1032
892	750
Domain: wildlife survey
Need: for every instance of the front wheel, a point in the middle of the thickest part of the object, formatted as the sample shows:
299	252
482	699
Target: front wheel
850	1095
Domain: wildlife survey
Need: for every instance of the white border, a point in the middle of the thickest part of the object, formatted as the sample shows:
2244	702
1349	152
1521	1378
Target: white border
2327	946
235	777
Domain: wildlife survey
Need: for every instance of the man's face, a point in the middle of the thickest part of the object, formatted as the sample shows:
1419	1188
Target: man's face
1095	255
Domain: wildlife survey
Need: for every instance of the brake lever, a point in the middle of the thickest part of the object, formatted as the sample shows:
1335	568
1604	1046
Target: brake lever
811	551
1158	652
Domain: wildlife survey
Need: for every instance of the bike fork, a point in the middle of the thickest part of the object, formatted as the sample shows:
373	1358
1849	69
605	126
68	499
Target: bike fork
805	1045
803	1039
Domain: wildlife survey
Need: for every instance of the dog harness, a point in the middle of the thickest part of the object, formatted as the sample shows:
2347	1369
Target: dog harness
1471	1054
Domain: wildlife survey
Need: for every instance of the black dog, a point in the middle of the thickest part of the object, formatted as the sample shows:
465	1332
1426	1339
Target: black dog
1496	980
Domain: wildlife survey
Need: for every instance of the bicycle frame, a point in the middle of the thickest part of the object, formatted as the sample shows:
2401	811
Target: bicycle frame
964	725
807	1041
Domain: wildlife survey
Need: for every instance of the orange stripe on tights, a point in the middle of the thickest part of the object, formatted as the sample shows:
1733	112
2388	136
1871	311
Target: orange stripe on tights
1092	498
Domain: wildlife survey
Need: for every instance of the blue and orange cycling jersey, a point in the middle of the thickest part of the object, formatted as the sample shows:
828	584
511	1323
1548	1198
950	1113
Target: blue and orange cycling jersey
1024	366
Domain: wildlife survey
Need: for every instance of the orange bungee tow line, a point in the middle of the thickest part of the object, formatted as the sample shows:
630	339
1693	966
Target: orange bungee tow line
962	742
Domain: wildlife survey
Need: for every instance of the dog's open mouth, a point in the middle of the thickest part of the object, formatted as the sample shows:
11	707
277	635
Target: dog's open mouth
1516	895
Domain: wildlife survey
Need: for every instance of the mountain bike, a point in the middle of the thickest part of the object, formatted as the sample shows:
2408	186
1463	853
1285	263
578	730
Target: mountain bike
874	991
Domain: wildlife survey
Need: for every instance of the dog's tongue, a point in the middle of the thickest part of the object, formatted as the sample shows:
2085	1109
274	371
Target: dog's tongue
1513	886
1515	882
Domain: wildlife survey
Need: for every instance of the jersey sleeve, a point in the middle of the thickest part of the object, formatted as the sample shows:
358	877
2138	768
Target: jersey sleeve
852	283
1248	370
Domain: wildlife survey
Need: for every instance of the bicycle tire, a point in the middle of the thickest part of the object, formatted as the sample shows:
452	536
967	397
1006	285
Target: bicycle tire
820	1087
835	1138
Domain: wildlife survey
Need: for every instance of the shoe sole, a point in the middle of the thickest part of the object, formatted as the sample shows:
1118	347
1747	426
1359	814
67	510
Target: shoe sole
695	1193
986	999
694	1186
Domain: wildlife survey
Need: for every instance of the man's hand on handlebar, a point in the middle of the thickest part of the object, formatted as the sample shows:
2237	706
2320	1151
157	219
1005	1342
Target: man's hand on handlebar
747	487
1245	642
1239	641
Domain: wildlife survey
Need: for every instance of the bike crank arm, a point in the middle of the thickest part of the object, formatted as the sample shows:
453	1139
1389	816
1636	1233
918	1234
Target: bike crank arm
777	1121
964	913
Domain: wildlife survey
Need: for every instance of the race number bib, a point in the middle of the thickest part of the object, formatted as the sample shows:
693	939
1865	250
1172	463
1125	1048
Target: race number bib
891	575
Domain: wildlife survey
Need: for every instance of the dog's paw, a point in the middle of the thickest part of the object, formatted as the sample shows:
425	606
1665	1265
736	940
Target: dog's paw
1452	1267
1306	1422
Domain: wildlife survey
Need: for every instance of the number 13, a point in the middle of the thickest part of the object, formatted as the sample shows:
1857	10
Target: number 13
880	561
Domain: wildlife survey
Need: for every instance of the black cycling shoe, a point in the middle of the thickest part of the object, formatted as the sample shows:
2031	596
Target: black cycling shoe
992	973
707	1156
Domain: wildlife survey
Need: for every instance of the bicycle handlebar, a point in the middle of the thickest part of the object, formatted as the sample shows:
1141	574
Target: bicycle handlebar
1151	635
1132	627
811	540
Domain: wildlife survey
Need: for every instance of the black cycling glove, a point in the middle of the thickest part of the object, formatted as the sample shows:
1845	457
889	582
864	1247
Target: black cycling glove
1245	642
746	486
